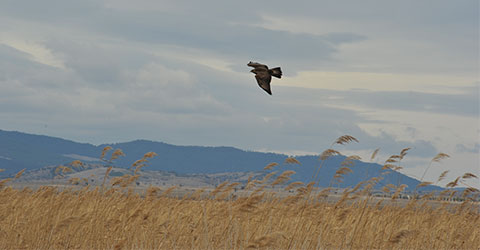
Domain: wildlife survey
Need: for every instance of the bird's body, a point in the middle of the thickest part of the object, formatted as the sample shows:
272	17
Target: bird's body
264	75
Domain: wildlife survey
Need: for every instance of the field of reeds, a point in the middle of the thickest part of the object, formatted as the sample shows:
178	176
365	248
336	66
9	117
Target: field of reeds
113	216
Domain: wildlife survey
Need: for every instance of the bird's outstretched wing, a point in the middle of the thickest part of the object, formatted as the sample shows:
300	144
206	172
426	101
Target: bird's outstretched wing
264	82
257	65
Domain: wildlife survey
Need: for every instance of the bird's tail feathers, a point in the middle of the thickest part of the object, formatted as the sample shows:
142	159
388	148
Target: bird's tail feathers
277	72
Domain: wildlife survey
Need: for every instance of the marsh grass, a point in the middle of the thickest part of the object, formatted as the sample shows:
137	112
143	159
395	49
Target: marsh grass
112	216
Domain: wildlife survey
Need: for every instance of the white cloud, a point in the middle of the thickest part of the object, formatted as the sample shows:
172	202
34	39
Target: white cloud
341	80
37	50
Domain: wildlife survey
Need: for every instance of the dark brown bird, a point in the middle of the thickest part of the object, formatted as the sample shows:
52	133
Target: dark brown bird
264	75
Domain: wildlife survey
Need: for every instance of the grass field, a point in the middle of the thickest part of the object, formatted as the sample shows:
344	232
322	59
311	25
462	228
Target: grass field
92	219
112	216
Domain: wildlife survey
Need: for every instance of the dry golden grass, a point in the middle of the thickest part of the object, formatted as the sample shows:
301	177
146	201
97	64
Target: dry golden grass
112	216
110	219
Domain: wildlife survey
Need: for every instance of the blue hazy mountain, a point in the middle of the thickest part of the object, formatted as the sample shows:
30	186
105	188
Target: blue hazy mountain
20	150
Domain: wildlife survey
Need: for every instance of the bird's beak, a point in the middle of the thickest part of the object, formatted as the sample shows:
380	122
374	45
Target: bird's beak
253	70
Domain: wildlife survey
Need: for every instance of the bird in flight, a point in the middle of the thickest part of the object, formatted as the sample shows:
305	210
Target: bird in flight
264	75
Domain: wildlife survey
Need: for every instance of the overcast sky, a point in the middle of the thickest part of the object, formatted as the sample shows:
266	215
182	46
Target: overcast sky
394	74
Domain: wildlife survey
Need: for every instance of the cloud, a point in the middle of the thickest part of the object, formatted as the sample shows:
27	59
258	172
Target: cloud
232	37
36	52
465	149
465	104
458	104
235	42
438	83
12	55
403	37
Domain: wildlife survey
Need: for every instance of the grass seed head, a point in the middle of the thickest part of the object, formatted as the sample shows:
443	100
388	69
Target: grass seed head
404	152
424	184
344	139
291	160
149	155
104	151
76	164
439	157
117	153
19	174
443	175
374	154
293	185
270	166
453	183
327	153
469	175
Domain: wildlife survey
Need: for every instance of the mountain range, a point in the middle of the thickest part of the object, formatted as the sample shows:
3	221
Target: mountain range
31	152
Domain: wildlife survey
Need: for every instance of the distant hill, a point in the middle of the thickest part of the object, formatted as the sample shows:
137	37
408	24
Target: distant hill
20	150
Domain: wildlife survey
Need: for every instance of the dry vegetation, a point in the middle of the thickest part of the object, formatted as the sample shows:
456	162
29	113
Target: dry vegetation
114	217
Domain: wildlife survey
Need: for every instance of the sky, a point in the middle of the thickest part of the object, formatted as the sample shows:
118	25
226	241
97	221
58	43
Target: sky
393	74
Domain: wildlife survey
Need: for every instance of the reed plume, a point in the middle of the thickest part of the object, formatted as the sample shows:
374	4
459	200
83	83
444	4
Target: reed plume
270	166
291	160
